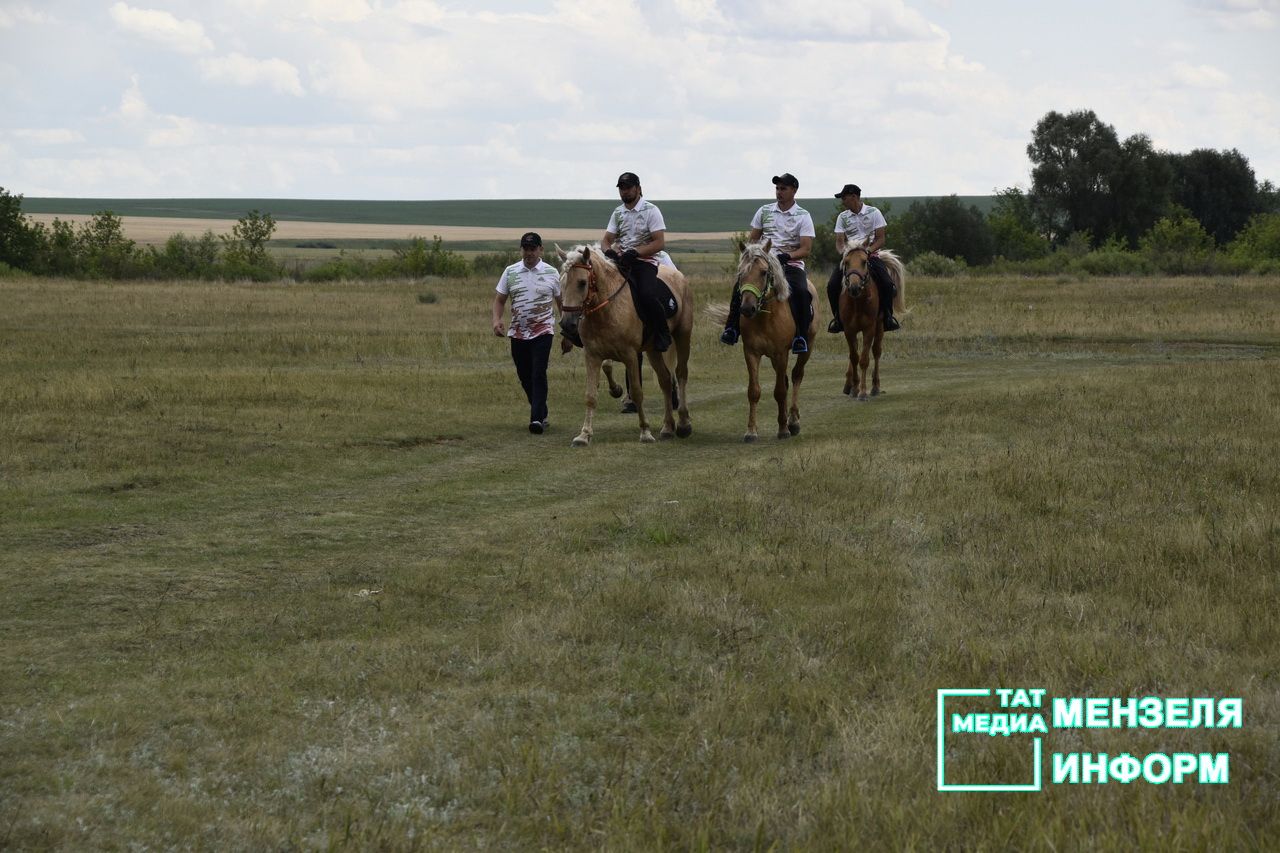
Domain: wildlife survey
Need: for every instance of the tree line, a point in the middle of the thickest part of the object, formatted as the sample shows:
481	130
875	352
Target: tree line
1100	205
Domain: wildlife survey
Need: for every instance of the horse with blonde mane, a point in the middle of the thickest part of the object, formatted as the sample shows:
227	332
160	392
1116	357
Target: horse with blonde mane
598	308
860	313
767	331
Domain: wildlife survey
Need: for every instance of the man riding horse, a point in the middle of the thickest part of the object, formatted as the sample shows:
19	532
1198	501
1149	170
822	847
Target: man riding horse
857	225
633	240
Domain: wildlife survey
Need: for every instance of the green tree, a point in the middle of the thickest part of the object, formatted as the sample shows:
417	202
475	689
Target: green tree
1140	190
1218	188
947	227
1074	158
20	240
1178	244
245	248
105	251
1259	240
1013	227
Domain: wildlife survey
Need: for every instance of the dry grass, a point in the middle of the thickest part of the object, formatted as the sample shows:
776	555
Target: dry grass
1070	485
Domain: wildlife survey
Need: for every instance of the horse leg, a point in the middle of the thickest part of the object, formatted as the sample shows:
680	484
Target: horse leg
780	392
876	347
637	397
685	428
753	395
615	390
593	385
851	372
863	361
659	363
797	376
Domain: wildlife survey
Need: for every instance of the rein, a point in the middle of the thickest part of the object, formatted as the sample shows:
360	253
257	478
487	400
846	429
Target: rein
589	305
861	276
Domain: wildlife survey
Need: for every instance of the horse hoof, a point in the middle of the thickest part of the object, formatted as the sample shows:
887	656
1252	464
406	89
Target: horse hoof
749	438
848	391
684	430
862	398
876	392
794	429
615	392
581	441
666	435
646	437
782	433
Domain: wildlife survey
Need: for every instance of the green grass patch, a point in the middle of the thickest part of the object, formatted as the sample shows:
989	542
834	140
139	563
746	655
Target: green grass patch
282	567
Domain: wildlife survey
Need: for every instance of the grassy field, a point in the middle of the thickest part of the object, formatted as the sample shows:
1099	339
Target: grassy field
681	215
282	568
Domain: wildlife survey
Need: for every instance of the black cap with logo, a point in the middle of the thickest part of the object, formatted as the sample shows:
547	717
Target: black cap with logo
531	239
628	179
786	179
849	189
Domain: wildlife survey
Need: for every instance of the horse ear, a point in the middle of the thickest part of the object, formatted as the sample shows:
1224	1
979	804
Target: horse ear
560	252
586	255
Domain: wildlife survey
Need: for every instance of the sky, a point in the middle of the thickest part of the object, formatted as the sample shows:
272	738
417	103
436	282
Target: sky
487	99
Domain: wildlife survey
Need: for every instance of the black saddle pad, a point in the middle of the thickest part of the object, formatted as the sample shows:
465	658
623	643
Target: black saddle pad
668	299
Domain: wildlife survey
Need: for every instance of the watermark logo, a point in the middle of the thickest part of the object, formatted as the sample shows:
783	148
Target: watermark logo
967	712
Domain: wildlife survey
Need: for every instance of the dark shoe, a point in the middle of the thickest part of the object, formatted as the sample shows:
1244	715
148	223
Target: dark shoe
891	323
729	336
546	422
662	341
628	408
835	326
799	347
535	427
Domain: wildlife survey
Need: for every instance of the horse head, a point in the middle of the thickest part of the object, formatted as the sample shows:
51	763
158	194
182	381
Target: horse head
760	277
855	268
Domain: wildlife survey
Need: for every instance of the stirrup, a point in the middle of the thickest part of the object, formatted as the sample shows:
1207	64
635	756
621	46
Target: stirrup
891	323
799	346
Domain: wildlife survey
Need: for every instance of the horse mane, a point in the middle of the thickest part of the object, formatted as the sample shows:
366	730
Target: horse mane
751	252
574	256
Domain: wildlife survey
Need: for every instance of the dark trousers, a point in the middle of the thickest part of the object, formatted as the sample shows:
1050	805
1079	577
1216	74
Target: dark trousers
646	294
531	366
800	302
879	274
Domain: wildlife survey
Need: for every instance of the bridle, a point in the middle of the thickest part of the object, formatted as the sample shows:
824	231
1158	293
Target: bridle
861	276
591	304
769	287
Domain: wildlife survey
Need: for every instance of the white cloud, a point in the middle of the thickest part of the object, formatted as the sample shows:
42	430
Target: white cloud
162	28
132	104
48	135
277	74
337	11
1199	76
22	14
1243	15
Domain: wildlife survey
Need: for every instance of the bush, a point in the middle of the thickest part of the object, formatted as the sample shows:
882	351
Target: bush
20	240
1178	245
938	266
342	268
420	259
947	227
188	257
1112	258
493	263
1258	241
245	248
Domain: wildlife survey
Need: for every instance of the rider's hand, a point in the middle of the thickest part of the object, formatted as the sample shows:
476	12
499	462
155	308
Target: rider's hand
611	254
629	256
784	258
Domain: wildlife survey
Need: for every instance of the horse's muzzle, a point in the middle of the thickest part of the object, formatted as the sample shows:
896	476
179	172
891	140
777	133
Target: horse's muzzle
750	309
569	328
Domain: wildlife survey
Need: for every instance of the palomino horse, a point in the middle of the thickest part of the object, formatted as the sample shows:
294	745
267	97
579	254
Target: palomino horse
598	307
768	330
860	312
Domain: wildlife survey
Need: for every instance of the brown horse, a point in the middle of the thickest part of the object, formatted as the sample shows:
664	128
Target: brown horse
768	330
860	312
599	309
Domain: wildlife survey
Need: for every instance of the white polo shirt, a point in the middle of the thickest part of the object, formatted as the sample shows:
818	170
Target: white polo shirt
533	295
784	228
635	227
857	227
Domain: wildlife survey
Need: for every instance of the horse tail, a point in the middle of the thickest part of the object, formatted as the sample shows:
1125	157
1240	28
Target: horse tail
718	312
898	272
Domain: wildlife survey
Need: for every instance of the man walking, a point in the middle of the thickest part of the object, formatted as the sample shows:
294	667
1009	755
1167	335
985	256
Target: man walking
533	287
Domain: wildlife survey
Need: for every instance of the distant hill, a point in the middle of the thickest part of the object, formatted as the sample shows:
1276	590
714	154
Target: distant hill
687	215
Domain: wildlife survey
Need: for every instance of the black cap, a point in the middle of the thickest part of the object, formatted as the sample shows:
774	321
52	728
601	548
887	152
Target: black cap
628	179
530	239
849	189
786	179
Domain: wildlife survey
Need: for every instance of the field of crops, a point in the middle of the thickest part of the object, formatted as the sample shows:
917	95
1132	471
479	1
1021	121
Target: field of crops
681	215
283	568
